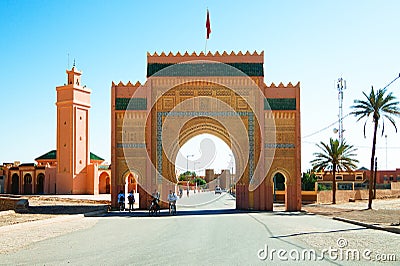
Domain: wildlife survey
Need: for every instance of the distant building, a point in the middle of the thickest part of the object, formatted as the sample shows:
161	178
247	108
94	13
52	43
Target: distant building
358	178
387	176
344	180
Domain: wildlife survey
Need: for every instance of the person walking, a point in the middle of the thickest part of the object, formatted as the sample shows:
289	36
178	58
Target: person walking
131	200
121	200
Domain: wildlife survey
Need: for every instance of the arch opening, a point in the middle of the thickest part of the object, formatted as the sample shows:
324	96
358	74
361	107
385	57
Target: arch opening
40	184
131	185
15	184
204	163
27	184
279	187
104	183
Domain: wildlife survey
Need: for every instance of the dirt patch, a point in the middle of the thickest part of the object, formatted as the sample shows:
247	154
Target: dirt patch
41	207
383	217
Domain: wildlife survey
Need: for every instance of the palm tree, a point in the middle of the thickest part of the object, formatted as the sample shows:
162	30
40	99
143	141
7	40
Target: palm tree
337	156
377	106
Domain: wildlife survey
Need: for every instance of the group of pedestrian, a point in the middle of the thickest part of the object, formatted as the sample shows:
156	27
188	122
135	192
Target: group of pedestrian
121	200
172	198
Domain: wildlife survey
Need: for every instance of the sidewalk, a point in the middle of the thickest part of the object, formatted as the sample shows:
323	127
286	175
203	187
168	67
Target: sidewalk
385	214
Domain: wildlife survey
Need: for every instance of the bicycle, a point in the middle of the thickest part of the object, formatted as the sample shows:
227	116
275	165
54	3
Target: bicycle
172	210
154	209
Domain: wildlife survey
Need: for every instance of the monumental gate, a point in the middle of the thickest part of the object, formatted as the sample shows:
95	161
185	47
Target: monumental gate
221	94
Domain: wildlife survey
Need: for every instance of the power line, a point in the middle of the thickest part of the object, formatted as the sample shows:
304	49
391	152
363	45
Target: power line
358	147
325	128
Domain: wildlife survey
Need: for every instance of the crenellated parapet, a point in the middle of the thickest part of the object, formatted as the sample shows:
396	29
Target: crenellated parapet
224	57
282	86
127	85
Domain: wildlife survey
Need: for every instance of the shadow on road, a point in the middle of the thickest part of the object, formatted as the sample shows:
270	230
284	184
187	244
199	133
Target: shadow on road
164	213
64	209
319	232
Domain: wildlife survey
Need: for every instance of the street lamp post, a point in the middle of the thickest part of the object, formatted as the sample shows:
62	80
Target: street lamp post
386	151
231	179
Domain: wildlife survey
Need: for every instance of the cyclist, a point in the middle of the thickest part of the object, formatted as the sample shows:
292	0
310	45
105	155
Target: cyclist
172	198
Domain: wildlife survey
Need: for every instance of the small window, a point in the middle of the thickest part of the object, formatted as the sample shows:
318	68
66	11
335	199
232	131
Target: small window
359	177
385	178
339	177
319	177
398	178
391	178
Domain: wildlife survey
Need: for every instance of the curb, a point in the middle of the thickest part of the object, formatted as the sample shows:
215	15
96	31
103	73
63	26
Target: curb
370	226
94	213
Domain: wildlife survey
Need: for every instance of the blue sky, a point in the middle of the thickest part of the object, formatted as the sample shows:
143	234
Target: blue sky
314	42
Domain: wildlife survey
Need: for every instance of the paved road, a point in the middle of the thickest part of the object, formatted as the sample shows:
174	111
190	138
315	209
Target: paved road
212	233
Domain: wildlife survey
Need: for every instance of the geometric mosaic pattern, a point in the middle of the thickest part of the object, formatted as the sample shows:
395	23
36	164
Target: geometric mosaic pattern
280	104
122	104
279	145
205	69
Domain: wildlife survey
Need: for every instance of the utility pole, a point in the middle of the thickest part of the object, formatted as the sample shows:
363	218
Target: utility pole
341	86
386	151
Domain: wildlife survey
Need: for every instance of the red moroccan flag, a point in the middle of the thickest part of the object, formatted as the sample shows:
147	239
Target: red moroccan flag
208	26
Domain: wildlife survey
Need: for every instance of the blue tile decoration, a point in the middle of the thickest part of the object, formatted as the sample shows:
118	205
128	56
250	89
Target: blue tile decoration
122	104
280	104
205	69
279	146
159	145
131	145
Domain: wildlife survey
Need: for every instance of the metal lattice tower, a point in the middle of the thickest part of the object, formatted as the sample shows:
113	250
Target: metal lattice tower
341	86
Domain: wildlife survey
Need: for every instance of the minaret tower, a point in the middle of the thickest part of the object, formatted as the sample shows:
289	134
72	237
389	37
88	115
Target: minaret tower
73	155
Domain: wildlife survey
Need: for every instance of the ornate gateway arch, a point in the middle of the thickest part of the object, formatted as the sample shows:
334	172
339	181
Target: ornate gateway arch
220	94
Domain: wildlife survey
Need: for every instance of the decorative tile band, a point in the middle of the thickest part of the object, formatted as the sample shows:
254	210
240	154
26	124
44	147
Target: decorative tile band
205	69
131	145
279	145
122	104
280	104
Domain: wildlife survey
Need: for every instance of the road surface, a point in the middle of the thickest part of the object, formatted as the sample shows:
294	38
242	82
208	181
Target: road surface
207	230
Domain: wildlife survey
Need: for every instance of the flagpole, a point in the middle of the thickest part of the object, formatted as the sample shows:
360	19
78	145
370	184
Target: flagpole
205	48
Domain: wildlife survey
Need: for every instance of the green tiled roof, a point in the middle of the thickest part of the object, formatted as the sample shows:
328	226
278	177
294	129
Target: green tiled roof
205	69
130	104
95	157
52	155
280	104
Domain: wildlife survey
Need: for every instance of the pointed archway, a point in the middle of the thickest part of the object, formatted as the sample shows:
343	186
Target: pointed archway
15	184
27	184
40	183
